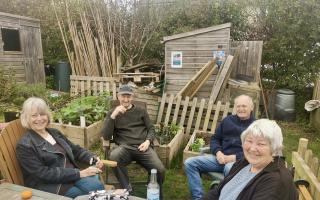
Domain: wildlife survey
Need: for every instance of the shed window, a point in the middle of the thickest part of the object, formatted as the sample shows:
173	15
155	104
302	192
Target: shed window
11	39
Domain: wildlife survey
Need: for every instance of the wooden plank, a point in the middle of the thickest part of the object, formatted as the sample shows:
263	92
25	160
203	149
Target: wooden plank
101	90
94	87
304	192
186	88
223	75
199	117
82	88
208	114
197	32
305	172
168	110
184	111
176	111
193	108
160	113
226	110
203	80
215	118
302	147
315	165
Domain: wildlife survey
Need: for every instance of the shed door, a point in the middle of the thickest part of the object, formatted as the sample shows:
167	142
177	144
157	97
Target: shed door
32	48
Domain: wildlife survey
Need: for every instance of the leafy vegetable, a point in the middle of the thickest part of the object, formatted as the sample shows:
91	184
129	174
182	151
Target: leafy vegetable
165	134
197	144
93	108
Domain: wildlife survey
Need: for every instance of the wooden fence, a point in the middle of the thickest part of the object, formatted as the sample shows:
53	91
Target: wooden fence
192	114
307	168
90	85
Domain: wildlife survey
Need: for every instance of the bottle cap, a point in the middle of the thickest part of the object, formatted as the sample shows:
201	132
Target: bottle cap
153	171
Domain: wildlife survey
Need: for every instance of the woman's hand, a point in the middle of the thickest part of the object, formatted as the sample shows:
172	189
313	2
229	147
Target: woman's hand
90	171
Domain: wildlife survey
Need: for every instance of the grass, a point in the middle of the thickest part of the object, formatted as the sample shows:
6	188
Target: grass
176	186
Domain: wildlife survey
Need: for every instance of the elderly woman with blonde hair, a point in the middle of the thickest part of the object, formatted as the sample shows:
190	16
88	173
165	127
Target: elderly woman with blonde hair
262	174
48	159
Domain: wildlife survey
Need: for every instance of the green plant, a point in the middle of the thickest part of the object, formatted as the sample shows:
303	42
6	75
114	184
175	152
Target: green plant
93	108
165	134
13	94
197	144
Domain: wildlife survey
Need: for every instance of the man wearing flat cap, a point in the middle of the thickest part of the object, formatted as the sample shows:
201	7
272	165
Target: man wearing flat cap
133	131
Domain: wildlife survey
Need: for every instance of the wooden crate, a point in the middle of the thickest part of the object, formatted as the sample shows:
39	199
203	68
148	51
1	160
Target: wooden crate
83	136
187	153
166	152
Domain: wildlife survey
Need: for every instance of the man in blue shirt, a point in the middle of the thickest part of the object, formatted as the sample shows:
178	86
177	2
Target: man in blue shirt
225	146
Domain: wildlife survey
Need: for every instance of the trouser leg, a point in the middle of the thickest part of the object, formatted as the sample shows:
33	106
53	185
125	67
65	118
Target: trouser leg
194	166
123	158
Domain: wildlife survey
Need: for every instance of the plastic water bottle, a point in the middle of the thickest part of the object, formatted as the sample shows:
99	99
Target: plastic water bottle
153	190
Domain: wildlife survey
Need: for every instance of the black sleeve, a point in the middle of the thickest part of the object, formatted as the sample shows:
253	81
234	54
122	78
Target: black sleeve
32	165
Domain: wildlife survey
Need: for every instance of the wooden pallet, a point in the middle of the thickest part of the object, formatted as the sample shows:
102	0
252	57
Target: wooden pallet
91	85
191	113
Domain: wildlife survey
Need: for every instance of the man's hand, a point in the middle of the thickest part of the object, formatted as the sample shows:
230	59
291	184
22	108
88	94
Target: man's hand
229	158
144	146
90	171
220	157
119	109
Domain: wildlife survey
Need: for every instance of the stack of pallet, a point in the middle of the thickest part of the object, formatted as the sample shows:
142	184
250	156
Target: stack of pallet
191	88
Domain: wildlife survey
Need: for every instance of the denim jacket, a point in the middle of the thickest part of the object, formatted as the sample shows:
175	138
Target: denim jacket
43	167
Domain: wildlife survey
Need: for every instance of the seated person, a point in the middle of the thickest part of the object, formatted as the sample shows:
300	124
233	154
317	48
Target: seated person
133	131
261	174
48	159
225	146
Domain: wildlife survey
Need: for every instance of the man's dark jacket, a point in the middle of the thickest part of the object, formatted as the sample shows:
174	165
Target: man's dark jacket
227	136
274	182
43	167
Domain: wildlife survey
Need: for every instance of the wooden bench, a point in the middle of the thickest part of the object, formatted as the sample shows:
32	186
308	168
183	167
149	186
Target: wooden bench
9	165
306	168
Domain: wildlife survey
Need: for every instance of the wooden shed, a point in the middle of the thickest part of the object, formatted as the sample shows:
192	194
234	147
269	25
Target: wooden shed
21	48
195	49
187	53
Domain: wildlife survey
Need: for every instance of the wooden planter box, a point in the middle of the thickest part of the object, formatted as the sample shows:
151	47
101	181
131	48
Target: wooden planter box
83	136
196	134
167	151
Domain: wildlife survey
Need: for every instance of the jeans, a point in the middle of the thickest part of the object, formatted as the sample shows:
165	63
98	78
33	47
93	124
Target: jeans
148	160
194	166
84	186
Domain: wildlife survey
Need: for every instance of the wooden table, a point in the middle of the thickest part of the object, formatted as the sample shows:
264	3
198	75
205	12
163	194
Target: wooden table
86	197
9	191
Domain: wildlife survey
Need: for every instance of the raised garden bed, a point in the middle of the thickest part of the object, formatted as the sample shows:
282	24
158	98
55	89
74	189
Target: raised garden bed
166	152
187	152
83	136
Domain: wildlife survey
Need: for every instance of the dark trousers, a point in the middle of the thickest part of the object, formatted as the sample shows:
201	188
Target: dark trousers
149	160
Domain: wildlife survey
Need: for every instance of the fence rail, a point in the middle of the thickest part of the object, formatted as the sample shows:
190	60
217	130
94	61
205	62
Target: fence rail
307	167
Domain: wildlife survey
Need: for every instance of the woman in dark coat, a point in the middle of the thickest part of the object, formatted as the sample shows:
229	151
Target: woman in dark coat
262	174
48	159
